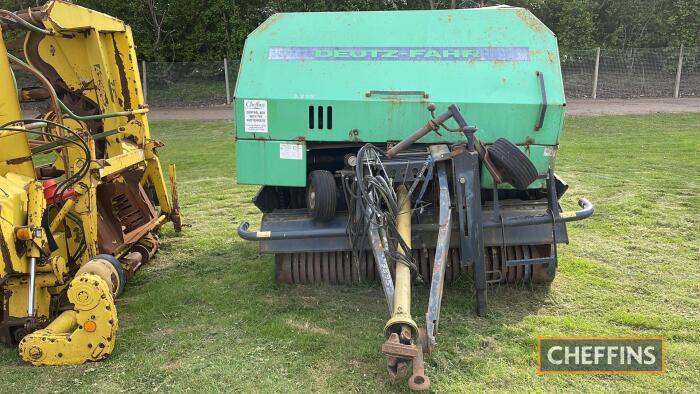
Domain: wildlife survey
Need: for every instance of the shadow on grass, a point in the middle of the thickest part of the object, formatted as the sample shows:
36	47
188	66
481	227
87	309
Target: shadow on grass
241	274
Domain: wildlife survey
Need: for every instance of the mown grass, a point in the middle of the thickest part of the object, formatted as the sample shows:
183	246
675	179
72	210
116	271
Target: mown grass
206	316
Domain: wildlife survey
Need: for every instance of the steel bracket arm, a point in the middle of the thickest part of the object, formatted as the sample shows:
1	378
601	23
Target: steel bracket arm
437	280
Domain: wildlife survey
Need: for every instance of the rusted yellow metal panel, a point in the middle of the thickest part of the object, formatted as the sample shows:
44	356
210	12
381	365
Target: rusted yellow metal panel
9	105
94	201
87	333
13	146
67	17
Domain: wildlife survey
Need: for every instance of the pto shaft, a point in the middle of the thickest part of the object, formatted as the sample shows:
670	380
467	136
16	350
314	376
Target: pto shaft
402	290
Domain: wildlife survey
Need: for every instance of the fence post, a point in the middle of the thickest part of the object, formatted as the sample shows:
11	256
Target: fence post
144	81
677	88
595	74
228	88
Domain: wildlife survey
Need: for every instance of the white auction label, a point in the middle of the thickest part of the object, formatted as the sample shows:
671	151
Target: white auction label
550	151
291	151
255	116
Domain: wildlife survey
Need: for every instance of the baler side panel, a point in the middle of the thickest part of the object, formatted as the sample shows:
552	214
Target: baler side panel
501	97
278	163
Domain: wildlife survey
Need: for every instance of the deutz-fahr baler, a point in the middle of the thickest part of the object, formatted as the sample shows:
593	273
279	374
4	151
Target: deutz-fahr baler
405	147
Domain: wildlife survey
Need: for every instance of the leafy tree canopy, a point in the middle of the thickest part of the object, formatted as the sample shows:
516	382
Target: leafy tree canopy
186	30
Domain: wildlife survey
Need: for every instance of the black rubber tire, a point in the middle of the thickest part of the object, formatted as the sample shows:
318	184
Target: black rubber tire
118	267
515	166
321	195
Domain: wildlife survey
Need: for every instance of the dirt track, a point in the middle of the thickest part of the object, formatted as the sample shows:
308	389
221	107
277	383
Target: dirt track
574	108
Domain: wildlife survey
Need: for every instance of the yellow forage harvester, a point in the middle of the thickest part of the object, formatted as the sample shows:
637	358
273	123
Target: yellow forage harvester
82	190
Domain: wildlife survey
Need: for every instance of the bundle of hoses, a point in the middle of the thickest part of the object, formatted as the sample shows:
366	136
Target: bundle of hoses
70	179
77	140
372	200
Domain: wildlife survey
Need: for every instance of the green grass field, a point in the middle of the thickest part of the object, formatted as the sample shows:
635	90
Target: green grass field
206	316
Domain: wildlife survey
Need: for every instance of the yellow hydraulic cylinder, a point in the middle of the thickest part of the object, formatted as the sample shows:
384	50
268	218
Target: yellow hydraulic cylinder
402	288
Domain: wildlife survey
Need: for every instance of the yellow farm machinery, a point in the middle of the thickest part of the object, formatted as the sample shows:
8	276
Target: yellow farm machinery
82	190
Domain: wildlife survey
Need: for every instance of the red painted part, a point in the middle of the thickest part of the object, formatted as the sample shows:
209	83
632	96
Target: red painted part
50	187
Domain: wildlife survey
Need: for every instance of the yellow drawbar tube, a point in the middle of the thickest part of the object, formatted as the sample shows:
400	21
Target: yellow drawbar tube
402	289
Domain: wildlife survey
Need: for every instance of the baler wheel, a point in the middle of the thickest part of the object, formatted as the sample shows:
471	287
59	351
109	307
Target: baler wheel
321	195
516	167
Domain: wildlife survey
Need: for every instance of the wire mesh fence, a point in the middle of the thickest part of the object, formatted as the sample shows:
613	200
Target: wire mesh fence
633	72
689	85
637	72
621	73
577	68
185	83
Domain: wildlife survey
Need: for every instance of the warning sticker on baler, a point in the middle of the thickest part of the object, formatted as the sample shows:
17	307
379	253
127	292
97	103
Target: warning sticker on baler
255	116
550	151
291	151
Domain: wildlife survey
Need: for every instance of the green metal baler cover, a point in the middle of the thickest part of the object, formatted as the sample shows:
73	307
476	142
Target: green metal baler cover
369	76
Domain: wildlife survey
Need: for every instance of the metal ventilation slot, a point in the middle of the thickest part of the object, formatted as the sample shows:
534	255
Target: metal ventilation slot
329	117
316	117
320	117
311	117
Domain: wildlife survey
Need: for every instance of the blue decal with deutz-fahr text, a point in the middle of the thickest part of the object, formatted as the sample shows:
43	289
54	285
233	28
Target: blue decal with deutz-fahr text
400	53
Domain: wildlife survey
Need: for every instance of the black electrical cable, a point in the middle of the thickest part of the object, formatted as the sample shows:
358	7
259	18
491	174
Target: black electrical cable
372	194
58	194
80	142
83	245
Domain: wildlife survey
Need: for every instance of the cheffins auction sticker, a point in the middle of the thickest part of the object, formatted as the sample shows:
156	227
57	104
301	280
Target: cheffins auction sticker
255	116
550	151
291	151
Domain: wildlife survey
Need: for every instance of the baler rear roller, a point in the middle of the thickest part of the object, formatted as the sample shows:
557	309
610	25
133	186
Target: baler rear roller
339	268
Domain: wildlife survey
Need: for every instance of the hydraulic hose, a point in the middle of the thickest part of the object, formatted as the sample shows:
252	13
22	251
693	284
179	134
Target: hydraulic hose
15	18
59	107
71	115
55	102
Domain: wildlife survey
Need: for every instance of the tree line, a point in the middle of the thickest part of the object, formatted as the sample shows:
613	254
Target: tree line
192	30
